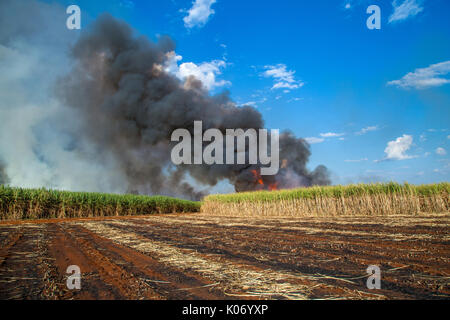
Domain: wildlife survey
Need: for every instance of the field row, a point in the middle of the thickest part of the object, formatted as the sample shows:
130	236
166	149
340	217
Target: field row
373	200
18	203
213	257
354	200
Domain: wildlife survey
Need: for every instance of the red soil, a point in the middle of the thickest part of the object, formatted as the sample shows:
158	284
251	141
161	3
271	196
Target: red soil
329	256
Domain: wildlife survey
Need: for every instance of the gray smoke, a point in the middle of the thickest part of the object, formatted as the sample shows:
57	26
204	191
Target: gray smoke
101	118
39	136
130	106
3	176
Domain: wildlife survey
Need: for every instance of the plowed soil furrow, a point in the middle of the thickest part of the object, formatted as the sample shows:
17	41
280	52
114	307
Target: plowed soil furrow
200	256
21	270
9	239
235	279
440	220
169	283
369	233
293	256
295	243
124	285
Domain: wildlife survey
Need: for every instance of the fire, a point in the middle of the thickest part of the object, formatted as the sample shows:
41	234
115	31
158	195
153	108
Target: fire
259	181
273	186
258	177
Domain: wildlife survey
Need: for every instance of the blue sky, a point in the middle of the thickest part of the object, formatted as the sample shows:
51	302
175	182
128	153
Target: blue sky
373	103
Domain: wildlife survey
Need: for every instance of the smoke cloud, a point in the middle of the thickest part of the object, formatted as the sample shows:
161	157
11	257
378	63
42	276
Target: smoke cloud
3	177
39	142
106	122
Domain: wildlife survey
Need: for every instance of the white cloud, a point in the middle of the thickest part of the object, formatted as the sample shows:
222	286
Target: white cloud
206	72
281	84
396	150
314	140
448	137
294	99
441	151
283	78
323	136
256	103
171	65
250	103
199	14
348	6
424	77
331	135
367	129
404	10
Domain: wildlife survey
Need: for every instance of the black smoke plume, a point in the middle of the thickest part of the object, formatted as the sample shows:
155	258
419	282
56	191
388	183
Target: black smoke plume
129	106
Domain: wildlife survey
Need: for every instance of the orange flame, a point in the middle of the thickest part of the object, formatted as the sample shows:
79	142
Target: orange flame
259	181
273	186
258	178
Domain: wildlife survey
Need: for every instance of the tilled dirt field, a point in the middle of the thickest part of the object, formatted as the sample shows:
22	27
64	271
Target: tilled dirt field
212	257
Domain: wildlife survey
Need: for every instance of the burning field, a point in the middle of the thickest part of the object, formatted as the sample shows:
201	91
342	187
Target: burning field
200	256
303	244
126	104
98	112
